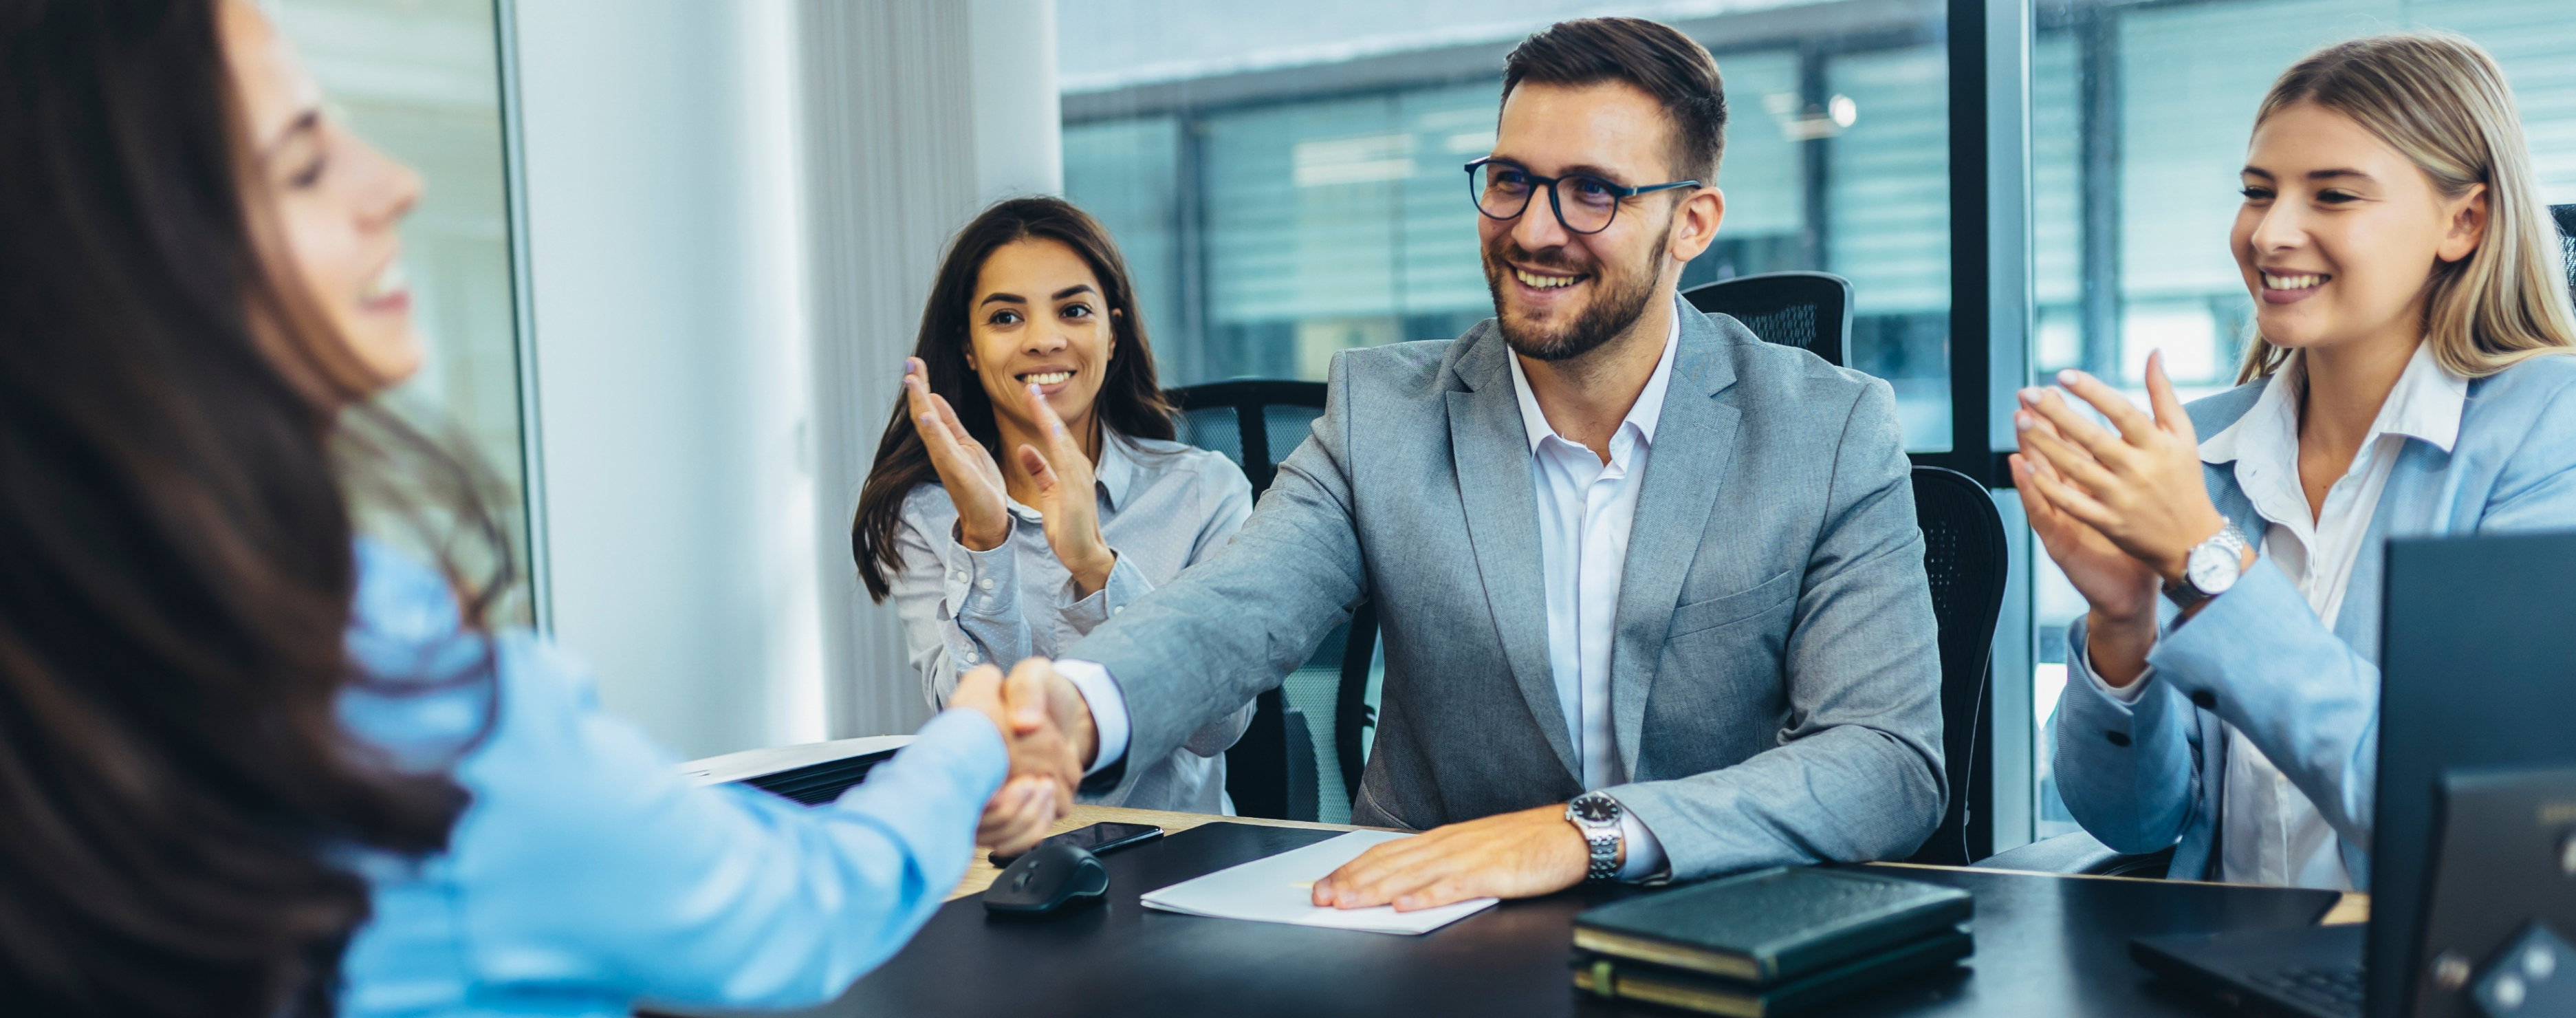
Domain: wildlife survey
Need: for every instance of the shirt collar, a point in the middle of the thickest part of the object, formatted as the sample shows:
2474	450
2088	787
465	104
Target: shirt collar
1648	410
2426	404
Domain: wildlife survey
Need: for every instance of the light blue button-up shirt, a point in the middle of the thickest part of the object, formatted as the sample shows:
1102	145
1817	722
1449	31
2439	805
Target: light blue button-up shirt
587	875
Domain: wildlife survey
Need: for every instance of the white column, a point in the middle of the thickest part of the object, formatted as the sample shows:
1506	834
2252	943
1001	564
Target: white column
917	113
673	370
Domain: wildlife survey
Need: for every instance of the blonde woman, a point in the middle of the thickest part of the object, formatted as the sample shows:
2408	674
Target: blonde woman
2408	303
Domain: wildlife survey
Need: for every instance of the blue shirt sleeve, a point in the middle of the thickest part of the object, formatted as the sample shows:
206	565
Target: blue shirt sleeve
587	866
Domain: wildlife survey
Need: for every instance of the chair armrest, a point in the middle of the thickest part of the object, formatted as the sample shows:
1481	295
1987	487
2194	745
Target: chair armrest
2079	853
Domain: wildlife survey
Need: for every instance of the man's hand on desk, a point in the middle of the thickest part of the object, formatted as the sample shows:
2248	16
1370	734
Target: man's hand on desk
1047	726
1512	855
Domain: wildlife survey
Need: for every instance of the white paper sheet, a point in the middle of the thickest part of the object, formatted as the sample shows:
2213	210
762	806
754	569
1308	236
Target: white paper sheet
1280	889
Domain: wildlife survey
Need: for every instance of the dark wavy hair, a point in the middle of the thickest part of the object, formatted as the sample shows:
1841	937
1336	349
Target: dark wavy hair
176	548
1130	403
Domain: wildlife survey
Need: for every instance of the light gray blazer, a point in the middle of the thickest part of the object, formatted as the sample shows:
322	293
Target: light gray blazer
2147	776
1775	684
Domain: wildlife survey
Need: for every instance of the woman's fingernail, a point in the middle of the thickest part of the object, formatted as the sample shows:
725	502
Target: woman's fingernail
2021	419
2030	395
2069	376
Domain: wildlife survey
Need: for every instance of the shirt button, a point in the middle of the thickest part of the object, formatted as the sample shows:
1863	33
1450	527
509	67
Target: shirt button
990	602
984	584
971	657
1115	609
959	576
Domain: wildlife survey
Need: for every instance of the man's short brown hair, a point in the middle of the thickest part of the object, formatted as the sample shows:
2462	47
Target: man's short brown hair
1656	58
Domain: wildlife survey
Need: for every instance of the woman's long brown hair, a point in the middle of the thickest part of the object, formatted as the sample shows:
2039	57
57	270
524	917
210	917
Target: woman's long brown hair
1130	401
178	800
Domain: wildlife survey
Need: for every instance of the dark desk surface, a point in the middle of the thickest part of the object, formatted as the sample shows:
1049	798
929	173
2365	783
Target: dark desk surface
2045	946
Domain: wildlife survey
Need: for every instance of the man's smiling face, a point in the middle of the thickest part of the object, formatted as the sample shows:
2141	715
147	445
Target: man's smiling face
1559	294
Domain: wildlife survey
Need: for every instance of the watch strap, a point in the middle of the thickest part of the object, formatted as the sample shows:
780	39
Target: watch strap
2186	593
1600	839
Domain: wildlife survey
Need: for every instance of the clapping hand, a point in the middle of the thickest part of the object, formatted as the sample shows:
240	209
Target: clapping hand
973	480
1067	497
2118	511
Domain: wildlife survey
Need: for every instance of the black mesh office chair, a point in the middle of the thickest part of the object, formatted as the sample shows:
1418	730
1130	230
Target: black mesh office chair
2566	216
1306	735
1808	310
1966	560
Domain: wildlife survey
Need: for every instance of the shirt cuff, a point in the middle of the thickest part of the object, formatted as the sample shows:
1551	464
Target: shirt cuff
982	582
2127	695
1645	853
1108	709
1082	615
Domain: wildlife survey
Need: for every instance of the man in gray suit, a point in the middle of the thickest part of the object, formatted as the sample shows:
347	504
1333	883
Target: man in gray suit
1651	590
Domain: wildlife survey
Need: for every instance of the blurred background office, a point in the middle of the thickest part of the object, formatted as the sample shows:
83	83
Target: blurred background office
673	251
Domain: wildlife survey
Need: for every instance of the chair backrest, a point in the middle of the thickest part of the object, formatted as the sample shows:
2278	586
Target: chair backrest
1807	310
2566	216
1965	558
1307	735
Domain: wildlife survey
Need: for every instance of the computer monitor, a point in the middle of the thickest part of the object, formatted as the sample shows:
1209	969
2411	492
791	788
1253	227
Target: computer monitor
2478	670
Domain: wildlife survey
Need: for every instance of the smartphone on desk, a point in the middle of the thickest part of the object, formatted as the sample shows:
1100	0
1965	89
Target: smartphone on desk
1098	839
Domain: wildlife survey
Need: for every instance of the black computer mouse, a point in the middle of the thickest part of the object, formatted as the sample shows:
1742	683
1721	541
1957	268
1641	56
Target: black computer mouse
1052	876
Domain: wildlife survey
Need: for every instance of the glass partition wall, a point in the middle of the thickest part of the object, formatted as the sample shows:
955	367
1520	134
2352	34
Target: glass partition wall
1295	188
2139	118
421	79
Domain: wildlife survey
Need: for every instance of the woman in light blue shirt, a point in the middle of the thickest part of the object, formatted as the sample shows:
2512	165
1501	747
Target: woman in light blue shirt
2408	379
253	766
1028	486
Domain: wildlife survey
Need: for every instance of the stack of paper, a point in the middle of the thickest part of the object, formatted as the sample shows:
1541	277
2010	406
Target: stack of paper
1280	889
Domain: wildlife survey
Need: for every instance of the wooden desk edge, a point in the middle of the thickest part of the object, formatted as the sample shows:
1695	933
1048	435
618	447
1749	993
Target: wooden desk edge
2353	908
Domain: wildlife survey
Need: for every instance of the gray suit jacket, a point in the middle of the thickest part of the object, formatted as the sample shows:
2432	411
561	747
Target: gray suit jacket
1775	682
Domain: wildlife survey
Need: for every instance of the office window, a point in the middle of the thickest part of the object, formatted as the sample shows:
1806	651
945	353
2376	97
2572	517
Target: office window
1287	182
420	79
2139	120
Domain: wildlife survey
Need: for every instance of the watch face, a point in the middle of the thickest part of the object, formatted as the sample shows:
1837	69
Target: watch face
2213	567
1595	809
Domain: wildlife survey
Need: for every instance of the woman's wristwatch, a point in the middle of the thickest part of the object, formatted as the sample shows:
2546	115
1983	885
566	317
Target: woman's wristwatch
2209	568
1597	816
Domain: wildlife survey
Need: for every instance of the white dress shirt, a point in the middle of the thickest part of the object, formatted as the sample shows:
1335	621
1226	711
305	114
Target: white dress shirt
2269	832
1585	508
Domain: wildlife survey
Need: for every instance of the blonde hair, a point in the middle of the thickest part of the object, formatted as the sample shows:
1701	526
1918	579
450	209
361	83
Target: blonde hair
2440	100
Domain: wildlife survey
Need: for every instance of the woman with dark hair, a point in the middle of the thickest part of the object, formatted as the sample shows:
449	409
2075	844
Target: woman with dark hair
1028	486
254	765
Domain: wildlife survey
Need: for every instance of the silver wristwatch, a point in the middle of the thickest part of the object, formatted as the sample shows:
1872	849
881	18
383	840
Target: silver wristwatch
2209	568
1597	816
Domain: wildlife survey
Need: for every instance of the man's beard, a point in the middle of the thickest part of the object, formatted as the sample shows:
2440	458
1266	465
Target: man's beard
1615	305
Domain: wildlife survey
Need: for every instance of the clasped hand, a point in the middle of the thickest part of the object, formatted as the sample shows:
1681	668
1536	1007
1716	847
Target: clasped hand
1047	726
2119	511
1062	472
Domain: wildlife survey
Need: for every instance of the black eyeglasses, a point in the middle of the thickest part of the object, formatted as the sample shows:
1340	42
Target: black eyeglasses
1503	191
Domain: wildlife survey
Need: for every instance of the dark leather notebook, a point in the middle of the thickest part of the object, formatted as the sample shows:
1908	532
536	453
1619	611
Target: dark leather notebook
1771	925
1621	979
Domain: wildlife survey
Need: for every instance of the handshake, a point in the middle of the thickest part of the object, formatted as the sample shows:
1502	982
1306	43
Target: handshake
1046	724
